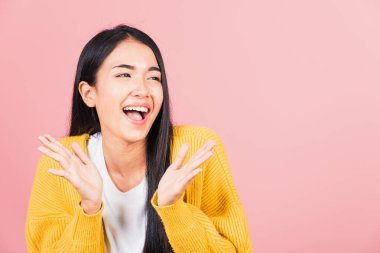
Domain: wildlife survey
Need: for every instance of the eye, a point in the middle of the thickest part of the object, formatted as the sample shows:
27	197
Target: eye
156	78
124	75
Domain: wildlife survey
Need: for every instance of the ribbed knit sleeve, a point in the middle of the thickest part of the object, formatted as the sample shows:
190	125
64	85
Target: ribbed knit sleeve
212	218
55	220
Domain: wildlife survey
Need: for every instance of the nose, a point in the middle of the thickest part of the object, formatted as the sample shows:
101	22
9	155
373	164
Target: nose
141	88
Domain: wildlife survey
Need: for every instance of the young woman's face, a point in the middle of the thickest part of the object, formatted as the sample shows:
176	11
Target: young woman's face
128	80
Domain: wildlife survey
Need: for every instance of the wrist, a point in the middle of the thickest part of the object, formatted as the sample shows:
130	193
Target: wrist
90	207
166	201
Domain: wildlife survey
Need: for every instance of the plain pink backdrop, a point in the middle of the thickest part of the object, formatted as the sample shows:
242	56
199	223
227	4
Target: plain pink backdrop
291	87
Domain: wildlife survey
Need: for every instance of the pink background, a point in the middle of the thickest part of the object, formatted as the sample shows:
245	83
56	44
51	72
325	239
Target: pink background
291	87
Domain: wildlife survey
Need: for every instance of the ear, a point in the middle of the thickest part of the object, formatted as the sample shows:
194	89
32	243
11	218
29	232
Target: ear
88	93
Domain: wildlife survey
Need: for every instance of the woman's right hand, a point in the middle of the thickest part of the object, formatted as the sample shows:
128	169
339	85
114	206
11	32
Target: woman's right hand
78	169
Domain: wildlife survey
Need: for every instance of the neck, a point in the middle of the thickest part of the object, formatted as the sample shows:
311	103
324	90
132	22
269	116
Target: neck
124	158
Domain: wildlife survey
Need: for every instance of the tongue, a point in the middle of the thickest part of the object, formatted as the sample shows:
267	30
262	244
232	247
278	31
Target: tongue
134	115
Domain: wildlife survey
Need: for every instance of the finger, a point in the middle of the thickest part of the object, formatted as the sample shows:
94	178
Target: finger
80	153
186	179
62	148
181	155
59	144
51	145
53	155
197	162
202	150
60	173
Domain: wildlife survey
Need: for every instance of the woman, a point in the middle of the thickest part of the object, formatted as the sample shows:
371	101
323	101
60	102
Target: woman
126	179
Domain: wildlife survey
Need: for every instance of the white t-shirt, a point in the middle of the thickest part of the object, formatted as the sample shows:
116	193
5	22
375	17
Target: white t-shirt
124	214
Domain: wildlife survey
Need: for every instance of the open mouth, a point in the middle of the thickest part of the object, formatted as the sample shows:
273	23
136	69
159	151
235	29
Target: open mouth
136	114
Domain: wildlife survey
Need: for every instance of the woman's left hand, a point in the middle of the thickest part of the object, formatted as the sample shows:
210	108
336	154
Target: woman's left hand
176	178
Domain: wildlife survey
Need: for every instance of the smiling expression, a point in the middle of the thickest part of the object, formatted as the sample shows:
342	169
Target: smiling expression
129	79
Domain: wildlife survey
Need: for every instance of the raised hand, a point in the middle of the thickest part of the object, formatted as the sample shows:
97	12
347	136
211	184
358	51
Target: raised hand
78	169
176	178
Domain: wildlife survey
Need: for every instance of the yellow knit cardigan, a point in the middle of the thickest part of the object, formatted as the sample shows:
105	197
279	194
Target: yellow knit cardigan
209	216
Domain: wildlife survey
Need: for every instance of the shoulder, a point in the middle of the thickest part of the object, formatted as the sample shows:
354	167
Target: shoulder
217	168
191	133
46	161
80	139
196	136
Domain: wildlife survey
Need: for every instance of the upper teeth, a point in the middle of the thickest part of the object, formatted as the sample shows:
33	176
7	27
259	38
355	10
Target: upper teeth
136	108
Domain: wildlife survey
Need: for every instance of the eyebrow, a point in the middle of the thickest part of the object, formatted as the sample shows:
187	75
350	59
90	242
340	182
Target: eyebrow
132	67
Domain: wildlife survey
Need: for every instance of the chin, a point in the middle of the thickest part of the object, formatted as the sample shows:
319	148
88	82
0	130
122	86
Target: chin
135	135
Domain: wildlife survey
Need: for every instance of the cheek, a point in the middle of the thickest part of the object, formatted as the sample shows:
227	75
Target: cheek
108	96
158	95
110	91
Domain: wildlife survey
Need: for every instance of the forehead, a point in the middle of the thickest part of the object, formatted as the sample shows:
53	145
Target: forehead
131	52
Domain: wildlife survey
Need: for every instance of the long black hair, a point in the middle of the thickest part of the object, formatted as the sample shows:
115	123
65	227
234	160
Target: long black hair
85	119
